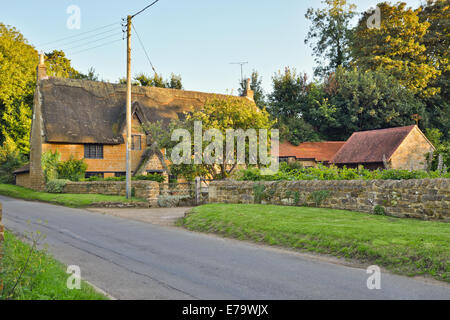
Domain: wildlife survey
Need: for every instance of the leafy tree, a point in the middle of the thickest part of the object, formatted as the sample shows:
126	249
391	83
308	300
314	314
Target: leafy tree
217	113
256	86
174	82
295	102
367	100
10	159
18	62
59	66
157	80
289	89
330	35
91	75
297	130
437	42
396	47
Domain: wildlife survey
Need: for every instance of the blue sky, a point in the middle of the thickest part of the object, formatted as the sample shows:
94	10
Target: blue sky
197	39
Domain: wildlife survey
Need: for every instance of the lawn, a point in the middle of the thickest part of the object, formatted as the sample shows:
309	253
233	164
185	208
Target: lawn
65	199
405	246
44	278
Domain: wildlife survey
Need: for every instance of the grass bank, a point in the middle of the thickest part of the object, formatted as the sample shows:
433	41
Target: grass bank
36	276
64	199
410	247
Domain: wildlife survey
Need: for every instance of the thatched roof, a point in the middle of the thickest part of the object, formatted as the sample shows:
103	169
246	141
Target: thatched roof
80	111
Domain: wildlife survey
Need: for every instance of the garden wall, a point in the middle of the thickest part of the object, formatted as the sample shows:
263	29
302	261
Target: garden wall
427	199
148	190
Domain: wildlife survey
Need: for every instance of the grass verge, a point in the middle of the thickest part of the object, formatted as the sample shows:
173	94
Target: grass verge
405	246
65	199
43	278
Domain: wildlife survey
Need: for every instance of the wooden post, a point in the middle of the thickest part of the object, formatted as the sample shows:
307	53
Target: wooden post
128	142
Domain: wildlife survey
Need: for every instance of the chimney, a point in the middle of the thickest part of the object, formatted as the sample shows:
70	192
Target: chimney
41	71
248	92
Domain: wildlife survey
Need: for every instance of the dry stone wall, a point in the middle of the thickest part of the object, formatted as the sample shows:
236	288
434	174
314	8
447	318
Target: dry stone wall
147	190
427	199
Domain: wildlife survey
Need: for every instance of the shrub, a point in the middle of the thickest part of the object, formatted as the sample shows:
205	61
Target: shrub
56	186
320	196
259	192
379	210
291	173
73	170
50	162
10	161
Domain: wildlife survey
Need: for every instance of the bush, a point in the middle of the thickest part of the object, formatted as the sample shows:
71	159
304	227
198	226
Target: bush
9	162
320	196
50	162
56	186
292	173
73	170
379	211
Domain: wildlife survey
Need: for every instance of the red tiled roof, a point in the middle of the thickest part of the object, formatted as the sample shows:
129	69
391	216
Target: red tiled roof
371	146
317	151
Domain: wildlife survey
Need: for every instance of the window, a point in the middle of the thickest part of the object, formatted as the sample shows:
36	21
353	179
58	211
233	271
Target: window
93	151
120	174
136	143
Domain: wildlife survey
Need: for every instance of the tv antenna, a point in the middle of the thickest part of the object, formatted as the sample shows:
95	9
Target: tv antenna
242	68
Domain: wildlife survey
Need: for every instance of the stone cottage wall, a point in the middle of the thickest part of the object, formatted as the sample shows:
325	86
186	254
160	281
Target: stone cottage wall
427	199
148	190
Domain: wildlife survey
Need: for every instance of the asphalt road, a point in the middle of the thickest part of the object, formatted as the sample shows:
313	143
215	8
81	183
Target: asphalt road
135	260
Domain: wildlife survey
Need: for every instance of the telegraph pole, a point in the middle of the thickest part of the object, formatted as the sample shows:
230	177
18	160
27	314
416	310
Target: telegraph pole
128	143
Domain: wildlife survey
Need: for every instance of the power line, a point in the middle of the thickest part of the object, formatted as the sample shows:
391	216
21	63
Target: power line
76	36
102	45
153	3
86	38
143	48
90	42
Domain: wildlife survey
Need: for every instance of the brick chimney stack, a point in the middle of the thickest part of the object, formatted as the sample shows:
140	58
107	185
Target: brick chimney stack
41	68
248	92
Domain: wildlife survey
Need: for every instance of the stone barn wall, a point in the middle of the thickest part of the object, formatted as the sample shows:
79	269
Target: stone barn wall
427	199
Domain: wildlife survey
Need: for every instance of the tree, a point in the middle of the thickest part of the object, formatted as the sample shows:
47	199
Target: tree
91	75
368	100
219	114
59	66
157	80
289	89
437	42
292	103
256	86
396	47
330	34
18	62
